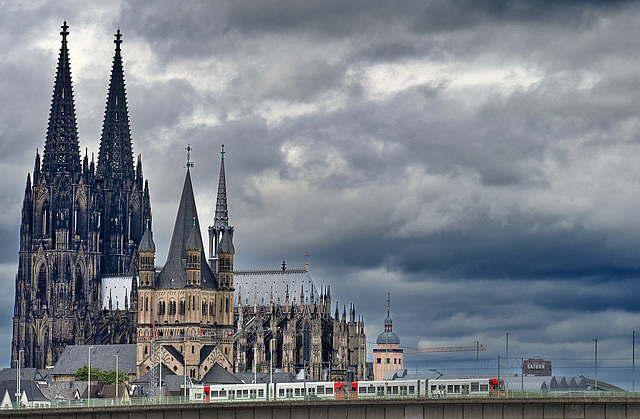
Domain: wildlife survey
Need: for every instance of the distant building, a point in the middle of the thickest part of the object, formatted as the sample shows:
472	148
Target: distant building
388	356
537	366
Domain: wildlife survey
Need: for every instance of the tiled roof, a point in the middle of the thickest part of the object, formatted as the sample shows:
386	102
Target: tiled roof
75	357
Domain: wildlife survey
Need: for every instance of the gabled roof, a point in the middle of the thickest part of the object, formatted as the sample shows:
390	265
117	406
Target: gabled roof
25	374
75	357
218	375
28	386
173	273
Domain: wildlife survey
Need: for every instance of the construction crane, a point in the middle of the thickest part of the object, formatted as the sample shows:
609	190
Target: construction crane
440	349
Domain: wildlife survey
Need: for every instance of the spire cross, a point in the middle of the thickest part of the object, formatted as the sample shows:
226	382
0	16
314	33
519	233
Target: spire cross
64	32
118	41
222	152
189	162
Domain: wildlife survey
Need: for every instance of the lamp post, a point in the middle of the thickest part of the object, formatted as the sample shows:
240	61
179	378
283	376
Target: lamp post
596	364
184	353
633	363
89	379
508	363
270	366
116	355
18	392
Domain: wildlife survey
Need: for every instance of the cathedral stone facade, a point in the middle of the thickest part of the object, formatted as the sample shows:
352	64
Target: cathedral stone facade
80	222
87	273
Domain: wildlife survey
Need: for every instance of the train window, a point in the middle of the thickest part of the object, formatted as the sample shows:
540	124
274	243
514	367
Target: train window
412	389
433	388
245	393
395	390
484	387
320	390
252	394
362	390
281	392
214	393
372	389
450	388
329	390
289	392
475	386
260	393
223	393
297	392
456	388
312	390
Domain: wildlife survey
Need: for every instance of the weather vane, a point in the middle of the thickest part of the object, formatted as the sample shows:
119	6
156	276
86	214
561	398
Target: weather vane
189	162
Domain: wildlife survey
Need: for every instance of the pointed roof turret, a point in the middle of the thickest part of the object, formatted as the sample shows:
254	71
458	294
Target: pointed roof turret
173	273
61	149
146	243
115	159
226	243
222	212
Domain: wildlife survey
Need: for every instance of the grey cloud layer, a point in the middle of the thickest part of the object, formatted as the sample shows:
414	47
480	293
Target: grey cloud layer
476	155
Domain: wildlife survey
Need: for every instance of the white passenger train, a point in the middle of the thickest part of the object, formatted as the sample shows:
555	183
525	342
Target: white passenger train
356	390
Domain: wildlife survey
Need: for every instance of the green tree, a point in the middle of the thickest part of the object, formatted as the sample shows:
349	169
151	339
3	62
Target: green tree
107	377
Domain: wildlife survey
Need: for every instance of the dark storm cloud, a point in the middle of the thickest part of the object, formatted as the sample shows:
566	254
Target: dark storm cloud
475	159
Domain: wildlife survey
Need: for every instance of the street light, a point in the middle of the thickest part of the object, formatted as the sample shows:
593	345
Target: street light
89	379
18	393
116	355
596	364
508	363
633	362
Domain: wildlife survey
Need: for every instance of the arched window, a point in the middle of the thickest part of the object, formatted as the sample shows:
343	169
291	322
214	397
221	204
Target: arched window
42	282
45	219
146	303
212	308
79	284
306	351
172	308
161	308
204	308
182	307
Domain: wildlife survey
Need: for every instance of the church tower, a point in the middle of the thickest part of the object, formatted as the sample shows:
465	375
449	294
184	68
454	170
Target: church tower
190	307
78	226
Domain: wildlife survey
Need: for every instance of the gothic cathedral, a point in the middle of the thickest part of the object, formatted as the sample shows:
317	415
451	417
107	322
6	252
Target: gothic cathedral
81	225
87	274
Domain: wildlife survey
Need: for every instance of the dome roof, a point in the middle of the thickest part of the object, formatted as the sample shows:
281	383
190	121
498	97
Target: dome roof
388	338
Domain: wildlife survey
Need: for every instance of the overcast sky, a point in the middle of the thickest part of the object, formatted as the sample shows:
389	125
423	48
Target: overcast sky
480	161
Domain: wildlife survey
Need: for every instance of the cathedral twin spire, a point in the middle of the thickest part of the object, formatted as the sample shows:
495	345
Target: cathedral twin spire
61	149
115	160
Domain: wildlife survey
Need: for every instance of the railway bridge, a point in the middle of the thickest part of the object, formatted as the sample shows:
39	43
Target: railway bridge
485	408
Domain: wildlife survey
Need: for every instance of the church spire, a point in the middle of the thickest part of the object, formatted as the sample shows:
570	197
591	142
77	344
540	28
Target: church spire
115	159
222	212
61	149
173	274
